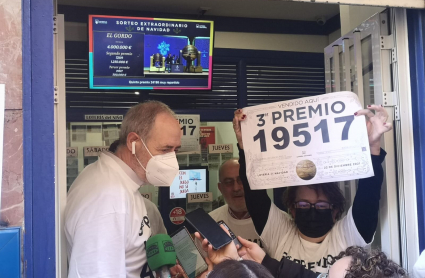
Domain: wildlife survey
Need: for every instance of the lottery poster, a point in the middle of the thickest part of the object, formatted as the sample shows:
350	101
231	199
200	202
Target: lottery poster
306	141
190	132
206	138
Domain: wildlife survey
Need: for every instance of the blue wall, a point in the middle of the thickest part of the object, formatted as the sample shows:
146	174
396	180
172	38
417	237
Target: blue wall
416	32
38	139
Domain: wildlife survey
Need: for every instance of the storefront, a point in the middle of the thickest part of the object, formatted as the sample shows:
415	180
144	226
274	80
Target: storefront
65	122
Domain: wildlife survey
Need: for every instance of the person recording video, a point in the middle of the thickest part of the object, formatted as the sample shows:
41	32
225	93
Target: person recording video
313	232
223	260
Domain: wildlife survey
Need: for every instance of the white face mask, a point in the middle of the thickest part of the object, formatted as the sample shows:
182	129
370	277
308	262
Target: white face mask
162	169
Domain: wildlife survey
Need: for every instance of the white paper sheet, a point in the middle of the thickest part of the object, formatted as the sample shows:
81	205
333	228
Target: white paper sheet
306	141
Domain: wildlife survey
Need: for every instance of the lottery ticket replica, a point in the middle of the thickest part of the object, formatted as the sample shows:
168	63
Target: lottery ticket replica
306	141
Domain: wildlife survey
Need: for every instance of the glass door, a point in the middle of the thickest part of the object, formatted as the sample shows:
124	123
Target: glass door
361	62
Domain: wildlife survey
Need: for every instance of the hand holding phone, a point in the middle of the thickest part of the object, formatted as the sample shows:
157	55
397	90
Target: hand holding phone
187	253
231	234
251	251
208	228
217	256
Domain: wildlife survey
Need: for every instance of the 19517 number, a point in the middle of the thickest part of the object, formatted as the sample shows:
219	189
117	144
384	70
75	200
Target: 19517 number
281	136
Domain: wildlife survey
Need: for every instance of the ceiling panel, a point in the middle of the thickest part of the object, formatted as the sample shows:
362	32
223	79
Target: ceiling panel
230	8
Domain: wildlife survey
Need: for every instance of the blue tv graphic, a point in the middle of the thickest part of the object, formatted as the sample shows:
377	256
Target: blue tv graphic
164	45
149	53
194	175
203	45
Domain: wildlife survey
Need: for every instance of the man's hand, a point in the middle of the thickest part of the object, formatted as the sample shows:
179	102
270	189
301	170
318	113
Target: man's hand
251	251
217	256
177	271
376	126
239	116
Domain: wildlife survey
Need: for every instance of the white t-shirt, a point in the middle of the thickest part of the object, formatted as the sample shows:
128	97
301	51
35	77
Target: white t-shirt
281	239
155	218
244	227
106	222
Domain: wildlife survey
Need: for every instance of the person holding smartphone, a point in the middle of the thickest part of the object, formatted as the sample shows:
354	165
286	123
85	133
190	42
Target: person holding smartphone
234	213
354	262
313	232
264	266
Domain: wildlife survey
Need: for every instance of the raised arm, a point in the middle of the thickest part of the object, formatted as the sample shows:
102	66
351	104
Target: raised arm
257	201
366	203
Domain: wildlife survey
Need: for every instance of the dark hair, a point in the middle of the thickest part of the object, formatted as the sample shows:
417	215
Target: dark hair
370	264
114	146
330	190
238	269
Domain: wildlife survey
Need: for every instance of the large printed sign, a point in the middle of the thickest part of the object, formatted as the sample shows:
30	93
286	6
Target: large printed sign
190	132
306	141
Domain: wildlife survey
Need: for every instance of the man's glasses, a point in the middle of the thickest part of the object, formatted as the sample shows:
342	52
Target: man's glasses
231	182
318	206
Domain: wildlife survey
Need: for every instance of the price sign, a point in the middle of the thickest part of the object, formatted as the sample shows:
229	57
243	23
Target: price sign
190	132
306	141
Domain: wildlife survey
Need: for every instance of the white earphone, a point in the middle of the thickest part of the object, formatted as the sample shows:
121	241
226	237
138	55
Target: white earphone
133	147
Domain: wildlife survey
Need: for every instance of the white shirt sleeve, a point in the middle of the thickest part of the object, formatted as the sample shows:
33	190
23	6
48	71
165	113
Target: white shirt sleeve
278	225
345	233
99	248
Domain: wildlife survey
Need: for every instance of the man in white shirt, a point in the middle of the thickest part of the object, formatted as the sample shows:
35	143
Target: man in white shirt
234	213
155	218
156	222
106	220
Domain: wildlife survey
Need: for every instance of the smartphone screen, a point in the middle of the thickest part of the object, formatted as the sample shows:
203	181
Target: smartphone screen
232	235
187	253
208	228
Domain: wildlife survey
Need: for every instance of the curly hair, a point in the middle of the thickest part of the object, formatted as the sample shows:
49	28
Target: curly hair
330	190
367	264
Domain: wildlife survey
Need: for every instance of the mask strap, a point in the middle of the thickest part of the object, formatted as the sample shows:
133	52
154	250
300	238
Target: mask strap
146	147
140	163
138	158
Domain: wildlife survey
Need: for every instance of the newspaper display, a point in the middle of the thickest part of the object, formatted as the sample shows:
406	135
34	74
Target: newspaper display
190	133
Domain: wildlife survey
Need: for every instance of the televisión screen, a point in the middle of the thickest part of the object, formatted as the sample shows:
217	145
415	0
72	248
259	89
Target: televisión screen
150	53
188	181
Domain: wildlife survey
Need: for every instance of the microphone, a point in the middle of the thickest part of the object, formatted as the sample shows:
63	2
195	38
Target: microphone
161	254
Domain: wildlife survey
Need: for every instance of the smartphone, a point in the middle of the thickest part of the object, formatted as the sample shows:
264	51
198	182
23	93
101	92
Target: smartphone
188	254
208	228
232	235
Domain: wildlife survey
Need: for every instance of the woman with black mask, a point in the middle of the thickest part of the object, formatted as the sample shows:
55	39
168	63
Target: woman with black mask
313	233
